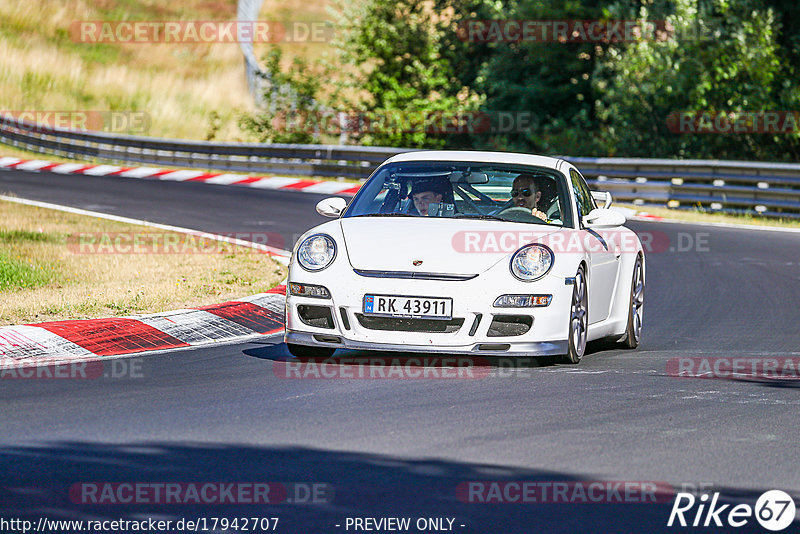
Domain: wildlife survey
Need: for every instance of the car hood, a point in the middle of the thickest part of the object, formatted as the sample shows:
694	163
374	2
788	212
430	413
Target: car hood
452	246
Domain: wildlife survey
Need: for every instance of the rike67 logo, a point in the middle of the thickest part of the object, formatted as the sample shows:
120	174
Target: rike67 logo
774	510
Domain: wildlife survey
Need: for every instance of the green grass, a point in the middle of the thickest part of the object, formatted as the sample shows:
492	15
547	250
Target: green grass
16	274
18	236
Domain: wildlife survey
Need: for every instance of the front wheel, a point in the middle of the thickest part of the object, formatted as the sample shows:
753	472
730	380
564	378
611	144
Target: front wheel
578	319
633	332
305	351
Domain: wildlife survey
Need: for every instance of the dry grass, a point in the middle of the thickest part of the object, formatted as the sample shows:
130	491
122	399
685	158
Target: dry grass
191	91
90	285
321	55
180	86
301	11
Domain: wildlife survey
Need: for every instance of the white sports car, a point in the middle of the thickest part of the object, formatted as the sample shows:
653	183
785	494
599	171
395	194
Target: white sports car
478	253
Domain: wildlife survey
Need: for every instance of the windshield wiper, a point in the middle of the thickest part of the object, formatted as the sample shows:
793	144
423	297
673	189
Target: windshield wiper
482	217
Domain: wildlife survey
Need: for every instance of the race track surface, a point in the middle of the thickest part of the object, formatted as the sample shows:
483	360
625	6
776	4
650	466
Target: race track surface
400	448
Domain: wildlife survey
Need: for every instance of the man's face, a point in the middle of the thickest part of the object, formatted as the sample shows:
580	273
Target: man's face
524	193
422	199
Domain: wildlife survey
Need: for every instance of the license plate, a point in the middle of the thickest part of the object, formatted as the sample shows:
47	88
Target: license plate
398	306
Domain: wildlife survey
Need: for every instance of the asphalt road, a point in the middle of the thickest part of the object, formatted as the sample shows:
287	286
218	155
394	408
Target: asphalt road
400	448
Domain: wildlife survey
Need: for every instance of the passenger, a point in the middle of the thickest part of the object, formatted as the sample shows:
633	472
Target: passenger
429	191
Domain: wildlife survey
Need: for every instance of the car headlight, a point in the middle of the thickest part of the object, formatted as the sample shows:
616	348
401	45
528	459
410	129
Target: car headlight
316	252
531	262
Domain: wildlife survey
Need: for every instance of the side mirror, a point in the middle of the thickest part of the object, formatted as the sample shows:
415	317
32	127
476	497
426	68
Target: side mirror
604	218
603	198
331	207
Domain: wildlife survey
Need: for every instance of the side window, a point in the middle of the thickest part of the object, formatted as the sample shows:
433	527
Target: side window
583	197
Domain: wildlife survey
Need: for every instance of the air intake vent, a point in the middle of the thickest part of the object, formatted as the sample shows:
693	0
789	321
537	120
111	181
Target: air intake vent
509	325
475	323
400	324
317	316
345	320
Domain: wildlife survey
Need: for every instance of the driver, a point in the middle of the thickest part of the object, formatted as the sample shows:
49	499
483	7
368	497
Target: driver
525	193
428	191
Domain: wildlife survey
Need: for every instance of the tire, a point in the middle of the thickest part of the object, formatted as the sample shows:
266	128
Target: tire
305	351
633	331
578	319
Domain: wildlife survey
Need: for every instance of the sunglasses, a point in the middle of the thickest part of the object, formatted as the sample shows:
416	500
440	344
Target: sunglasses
524	192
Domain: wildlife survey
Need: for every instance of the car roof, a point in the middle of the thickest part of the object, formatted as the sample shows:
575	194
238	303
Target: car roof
477	156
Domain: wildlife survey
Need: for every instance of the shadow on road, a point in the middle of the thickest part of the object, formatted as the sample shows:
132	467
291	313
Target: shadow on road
277	352
36	480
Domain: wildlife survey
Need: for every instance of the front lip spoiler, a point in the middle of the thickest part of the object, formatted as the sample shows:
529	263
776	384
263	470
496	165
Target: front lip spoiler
525	348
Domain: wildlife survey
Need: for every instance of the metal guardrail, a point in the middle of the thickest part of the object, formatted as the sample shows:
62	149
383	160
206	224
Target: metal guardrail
305	160
769	189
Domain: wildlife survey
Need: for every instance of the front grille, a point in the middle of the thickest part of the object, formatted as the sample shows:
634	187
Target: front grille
403	324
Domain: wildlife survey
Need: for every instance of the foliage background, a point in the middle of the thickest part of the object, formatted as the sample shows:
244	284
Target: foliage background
399	60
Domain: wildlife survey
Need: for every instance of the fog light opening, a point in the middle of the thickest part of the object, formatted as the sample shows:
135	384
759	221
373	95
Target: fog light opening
322	338
496	347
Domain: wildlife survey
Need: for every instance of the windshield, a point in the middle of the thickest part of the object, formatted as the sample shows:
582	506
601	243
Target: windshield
515	193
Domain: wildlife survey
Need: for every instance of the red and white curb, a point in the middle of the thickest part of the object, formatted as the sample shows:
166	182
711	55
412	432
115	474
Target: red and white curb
643	215
81	340
282	183
631	213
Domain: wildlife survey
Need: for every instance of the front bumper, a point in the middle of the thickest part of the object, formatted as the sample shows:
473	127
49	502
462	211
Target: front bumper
472	302
543	348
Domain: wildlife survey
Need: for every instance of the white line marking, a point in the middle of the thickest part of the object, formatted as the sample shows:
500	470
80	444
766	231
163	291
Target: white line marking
66	168
101	170
180	176
33	165
271	250
274	183
141	172
327	187
226	179
195	327
5	162
19	344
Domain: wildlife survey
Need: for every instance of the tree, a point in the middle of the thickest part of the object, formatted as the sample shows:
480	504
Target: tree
722	58
404	90
291	111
